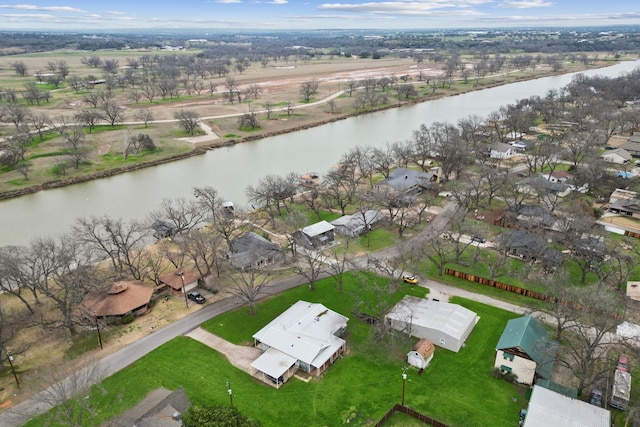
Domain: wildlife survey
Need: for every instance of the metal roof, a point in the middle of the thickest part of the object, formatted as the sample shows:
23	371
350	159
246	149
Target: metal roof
306	332
317	228
548	408
452	319
274	363
530	336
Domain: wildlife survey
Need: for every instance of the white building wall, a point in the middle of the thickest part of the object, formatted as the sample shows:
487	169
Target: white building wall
524	369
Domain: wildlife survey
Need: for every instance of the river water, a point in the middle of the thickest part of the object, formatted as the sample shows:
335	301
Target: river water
232	169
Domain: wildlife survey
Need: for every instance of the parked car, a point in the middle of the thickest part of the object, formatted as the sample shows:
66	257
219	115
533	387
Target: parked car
410	279
195	296
478	239
595	398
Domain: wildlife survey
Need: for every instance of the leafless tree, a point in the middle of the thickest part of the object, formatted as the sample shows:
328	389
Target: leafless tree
184	214
88	118
20	68
67	395
350	86
111	112
587	341
274	193
231	89
188	120
249	119
114	239
308	89
309	265
249	285
145	115
202	248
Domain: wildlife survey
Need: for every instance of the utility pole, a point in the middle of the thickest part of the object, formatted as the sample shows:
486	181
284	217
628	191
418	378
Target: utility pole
95	316
404	380
230	393
10	359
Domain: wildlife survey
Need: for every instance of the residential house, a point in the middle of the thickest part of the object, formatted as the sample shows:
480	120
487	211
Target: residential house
628	207
632	146
179	279
620	194
358	223
525	350
122	298
541	186
527	216
501	151
316	235
619	156
446	325
530	247
408	181
560	176
421	354
548	408
306	336
251	250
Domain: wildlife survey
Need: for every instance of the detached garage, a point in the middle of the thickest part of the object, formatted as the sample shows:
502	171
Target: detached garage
446	325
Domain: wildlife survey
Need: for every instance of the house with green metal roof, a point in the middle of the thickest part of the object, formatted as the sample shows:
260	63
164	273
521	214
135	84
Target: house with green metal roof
525	350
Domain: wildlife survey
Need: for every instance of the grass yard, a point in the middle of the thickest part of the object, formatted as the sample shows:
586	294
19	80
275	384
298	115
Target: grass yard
457	388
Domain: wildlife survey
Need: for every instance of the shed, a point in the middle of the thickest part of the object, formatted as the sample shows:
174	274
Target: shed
421	354
446	325
550	409
174	280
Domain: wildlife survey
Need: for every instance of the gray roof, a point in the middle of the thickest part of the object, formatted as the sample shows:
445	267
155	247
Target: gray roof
317	229
550	409
359	220
403	179
619	151
251	247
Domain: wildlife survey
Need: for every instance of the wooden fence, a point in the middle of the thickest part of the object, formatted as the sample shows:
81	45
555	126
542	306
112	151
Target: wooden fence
632	234
412	413
515	289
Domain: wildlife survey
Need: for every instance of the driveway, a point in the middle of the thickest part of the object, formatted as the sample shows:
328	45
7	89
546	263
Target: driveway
239	356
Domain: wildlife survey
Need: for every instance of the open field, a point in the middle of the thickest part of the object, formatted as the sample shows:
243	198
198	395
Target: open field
279	84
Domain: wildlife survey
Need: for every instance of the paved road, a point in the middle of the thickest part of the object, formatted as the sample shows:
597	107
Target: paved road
21	413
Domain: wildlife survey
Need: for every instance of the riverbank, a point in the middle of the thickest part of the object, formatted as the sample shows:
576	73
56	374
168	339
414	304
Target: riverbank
285	126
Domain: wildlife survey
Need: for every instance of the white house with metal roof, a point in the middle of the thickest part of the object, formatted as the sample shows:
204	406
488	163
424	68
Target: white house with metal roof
446	325
306	336
550	409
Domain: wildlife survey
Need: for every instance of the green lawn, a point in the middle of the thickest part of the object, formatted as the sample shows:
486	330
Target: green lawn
457	388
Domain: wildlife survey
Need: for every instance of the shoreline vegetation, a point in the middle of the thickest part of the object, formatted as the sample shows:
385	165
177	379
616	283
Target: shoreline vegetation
454	89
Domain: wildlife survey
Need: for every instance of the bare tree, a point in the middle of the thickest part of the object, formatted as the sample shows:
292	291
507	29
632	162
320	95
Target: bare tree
67	395
184	214
273	193
88	118
249	285
111	112
586	346
114	239
188	120
20	68
308	89
145	115
309	265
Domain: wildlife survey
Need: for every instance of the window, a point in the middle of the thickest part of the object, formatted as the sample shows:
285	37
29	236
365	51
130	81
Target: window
508	356
505	369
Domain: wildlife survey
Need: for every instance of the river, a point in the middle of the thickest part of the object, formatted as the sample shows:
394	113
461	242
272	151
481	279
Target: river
232	169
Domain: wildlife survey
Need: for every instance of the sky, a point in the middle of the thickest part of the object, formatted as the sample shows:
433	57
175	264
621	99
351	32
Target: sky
312	14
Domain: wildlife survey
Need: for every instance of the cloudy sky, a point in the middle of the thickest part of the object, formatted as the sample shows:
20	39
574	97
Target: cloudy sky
312	14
